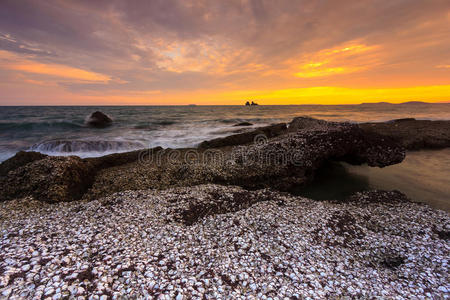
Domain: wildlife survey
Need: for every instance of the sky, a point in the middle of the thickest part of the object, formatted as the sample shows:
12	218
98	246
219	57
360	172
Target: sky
167	52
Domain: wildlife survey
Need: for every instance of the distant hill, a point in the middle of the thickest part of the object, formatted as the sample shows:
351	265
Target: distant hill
387	103
416	102
376	103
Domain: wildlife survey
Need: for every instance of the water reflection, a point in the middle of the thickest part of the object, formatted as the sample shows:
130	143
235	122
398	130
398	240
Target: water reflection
423	176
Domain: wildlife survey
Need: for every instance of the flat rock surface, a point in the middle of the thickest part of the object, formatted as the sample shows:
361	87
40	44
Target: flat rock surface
413	134
241	244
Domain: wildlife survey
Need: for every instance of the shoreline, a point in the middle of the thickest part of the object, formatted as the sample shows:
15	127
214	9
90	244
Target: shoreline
178	223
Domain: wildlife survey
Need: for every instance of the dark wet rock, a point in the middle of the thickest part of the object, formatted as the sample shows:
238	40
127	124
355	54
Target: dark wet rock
246	137
99	120
51	179
20	159
243	124
413	134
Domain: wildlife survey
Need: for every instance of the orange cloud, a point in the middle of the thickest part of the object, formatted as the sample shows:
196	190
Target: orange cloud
13	62
59	71
212	56
343	59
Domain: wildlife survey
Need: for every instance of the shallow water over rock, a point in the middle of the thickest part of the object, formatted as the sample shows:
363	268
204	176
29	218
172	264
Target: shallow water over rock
422	176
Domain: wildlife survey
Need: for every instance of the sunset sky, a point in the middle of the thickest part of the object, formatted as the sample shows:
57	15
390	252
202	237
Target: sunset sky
161	52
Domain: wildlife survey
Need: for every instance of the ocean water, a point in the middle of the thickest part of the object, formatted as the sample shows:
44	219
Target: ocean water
62	130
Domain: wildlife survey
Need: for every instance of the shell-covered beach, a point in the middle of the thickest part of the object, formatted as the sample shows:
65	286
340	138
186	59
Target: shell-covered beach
137	243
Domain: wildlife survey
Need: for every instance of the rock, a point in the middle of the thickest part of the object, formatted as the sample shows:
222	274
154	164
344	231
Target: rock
21	158
413	134
246	137
54	179
117	159
51	179
99	120
243	124
304	123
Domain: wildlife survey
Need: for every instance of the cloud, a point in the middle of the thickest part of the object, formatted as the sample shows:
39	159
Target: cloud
172	46
343	59
59	71
12	61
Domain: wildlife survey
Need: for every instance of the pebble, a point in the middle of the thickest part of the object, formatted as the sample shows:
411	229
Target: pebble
264	251
25	268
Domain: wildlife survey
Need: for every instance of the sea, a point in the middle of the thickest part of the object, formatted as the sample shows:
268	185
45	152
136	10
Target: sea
62	130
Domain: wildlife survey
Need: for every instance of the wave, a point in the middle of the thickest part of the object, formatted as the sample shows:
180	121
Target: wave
71	146
326	115
239	120
154	124
39	125
163	122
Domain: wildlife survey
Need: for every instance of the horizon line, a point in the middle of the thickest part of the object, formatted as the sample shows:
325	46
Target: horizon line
193	104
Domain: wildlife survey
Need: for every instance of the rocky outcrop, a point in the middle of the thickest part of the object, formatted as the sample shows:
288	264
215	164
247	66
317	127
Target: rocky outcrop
246	137
264	160
413	134
99	120
20	159
50	179
281	162
57	179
